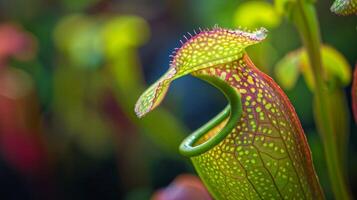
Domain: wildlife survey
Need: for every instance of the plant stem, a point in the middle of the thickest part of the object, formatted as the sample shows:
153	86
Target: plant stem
305	19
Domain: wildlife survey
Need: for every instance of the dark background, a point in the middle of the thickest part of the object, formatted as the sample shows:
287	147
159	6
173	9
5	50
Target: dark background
71	75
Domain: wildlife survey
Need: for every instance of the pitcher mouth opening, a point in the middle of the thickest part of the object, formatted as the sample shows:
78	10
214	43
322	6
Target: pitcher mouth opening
207	136
210	134
213	132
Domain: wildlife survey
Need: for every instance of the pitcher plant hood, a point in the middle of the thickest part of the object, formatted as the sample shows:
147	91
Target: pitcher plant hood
205	49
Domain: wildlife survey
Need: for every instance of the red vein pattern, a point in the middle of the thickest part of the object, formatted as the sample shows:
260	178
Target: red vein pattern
266	156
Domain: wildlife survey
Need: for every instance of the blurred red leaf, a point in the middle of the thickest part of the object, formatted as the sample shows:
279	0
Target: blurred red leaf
16	42
184	187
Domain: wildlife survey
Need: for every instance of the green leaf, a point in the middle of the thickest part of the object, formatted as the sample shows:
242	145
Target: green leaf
255	14
123	32
283	6
78	37
337	69
287	70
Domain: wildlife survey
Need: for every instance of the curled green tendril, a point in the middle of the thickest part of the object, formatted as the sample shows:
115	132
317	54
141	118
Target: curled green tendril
234	109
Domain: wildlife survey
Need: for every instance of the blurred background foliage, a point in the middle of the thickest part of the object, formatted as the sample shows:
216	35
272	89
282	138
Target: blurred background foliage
71	71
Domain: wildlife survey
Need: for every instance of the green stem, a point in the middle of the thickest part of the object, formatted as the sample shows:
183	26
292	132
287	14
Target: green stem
306	21
234	109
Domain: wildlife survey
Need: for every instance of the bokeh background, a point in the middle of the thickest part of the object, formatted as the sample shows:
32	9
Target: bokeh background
70	74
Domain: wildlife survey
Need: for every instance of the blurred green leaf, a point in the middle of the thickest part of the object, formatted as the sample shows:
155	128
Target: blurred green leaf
66	29
123	32
338	71
210	12
287	70
78	36
336	67
283	6
255	14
